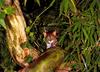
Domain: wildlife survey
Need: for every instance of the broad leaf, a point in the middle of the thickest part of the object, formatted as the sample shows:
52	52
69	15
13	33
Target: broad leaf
9	10
2	23
2	15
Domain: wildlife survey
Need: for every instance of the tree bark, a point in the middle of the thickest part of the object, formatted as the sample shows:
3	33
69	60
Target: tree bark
15	33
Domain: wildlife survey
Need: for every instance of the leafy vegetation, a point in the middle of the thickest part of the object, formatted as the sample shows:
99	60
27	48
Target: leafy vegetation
77	23
3	11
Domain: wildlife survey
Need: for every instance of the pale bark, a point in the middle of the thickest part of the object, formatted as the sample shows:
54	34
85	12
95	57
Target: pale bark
16	33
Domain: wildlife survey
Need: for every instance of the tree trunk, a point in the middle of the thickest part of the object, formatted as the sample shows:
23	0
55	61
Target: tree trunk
16	33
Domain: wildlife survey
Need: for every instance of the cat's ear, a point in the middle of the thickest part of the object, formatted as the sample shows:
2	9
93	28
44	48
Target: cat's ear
54	33
45	34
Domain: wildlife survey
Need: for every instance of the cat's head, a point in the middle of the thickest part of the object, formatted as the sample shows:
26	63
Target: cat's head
50	39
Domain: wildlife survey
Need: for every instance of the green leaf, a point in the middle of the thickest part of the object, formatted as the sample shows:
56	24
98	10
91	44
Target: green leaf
93	4
38	2
62	38
98	4
9	10
87	55
2	15
91	36
28	29
92	7
76	36
2	23
75	27
1	3
73	6
61	8
31	34
28	59
85	33
64	6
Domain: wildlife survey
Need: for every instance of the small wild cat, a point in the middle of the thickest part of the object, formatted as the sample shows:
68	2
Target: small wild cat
50	39
50	59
